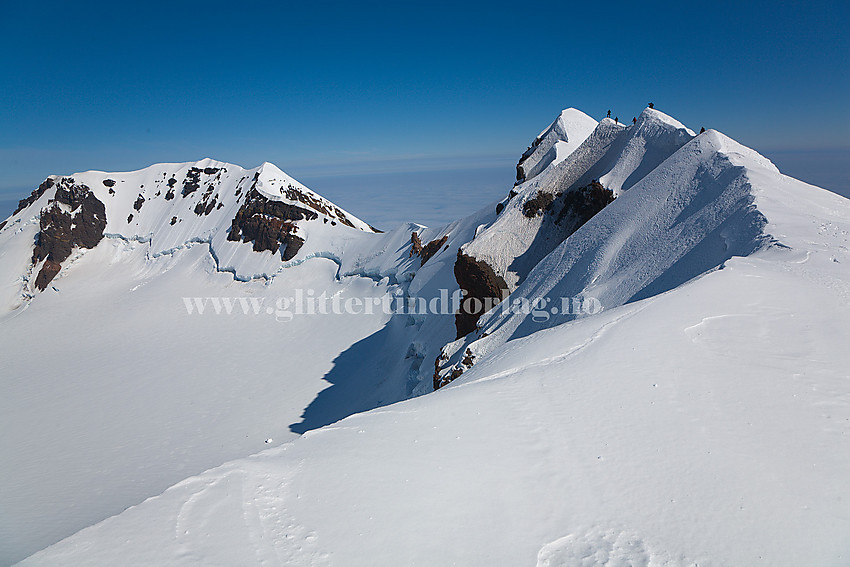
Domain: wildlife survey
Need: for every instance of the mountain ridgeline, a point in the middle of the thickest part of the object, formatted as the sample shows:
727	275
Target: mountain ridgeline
683	195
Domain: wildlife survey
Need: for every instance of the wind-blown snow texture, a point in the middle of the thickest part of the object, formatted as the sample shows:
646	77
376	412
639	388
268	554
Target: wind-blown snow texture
700	419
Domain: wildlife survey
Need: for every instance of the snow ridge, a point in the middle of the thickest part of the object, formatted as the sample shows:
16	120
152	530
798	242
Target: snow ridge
555	143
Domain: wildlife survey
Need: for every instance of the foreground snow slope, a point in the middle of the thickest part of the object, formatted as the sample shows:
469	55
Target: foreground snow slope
705	425
112	391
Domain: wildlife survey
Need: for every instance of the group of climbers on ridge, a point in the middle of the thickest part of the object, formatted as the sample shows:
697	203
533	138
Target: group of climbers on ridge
634	118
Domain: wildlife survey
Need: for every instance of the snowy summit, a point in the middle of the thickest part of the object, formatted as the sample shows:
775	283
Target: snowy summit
646	364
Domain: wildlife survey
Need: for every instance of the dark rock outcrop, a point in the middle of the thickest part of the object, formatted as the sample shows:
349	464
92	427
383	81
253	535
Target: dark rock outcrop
444	376
208	200
416	243
34	196
468	358
500	206
560	214
440	378
192	181
47	273
139	202
432	248
520	166
204	207
583	203
269	224
482	287
109	182
425	252
75	217
436	377
293	193
537	204
563	213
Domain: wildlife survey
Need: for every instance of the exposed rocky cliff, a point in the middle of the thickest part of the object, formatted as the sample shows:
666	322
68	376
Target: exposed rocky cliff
482	287
74	218
269	224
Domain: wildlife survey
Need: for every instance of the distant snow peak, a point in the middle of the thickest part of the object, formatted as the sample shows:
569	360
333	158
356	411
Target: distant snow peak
169	205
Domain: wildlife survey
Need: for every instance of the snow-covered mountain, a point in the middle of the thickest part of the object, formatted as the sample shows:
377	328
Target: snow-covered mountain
649	367
171	206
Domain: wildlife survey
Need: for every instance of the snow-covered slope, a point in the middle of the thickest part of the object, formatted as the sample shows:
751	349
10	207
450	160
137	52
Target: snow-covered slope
555	143
706	426
694	412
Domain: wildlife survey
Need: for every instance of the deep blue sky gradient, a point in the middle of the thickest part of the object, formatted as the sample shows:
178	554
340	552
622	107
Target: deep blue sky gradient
327	90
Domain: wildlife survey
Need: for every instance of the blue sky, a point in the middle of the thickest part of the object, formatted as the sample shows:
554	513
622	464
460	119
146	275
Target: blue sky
328	90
